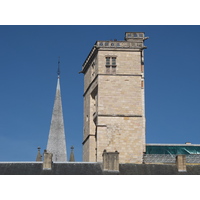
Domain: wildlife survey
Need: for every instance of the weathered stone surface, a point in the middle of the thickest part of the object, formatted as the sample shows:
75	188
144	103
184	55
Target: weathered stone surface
110	161
47	163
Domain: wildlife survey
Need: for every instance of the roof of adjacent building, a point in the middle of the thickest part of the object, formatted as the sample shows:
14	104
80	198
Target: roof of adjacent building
172	149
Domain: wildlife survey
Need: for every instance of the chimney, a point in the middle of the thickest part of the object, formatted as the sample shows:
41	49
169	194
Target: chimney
47	163
181	163
110	161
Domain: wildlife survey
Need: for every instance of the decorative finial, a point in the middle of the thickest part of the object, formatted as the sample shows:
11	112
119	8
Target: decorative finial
39	156
72	159
58	72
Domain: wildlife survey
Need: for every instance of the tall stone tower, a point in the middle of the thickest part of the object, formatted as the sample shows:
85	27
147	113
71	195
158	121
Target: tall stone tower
56	142
114	107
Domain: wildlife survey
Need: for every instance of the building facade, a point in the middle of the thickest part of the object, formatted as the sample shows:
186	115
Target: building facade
114	106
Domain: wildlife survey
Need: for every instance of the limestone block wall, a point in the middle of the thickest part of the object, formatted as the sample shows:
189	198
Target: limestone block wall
128	62
91	73
89	150
89	128
87	79
89	109
120	95
122	134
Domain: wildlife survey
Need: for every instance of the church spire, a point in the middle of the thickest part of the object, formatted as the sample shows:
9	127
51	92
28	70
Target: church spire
56	142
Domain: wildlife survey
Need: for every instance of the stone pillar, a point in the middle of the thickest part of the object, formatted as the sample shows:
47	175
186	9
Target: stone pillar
47	163
110	161
181	163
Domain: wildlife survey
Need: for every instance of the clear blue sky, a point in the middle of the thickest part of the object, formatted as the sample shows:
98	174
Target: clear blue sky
28	64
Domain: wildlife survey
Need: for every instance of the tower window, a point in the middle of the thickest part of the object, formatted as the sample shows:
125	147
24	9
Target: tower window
107	61
111	65
113	61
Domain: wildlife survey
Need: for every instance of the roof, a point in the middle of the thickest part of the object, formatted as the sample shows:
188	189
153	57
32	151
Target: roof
83	168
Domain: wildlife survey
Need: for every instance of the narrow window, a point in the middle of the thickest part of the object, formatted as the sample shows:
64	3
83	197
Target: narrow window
107	61
113	61
142	84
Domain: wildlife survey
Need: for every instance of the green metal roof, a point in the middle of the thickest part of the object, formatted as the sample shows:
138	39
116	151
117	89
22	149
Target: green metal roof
162	149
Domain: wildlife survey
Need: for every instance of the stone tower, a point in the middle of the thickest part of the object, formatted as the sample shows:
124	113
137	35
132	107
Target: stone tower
56	141
114	107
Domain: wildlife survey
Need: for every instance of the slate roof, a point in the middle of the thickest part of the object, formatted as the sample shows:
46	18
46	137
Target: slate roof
76	168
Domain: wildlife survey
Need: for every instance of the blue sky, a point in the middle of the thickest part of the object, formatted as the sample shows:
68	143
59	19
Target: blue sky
28	64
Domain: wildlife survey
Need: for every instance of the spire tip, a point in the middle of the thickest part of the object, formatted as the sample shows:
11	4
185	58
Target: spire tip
58	72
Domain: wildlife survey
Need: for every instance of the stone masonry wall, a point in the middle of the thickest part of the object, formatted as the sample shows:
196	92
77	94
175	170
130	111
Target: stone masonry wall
122	134
120	95
121	120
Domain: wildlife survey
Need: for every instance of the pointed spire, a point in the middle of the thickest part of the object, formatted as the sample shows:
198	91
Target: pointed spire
56	142
39	156
58	72
72	159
